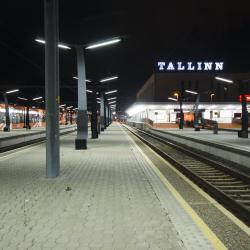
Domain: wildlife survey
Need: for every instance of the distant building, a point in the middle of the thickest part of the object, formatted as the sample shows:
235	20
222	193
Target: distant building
218	100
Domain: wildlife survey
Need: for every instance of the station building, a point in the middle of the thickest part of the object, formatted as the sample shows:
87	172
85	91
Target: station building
169	86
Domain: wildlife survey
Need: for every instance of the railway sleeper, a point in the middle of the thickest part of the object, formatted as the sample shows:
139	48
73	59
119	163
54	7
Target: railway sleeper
234	188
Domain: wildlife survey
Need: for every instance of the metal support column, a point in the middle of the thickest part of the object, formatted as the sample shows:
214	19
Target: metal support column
27	121
196	113
102	111
109	116
181	110
82	117
94	115
244	116
52	88
105	113
7	113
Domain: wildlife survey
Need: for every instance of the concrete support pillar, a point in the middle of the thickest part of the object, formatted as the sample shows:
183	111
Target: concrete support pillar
52	88
82	117
94	115
102	113
196	113
27	121
244	116
181	110
7	113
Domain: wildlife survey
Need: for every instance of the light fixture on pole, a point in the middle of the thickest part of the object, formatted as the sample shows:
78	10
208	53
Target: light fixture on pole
222	79
196	108
112	102
173	99
191	92
82	120
243	133
22	98
7	114
112	98
37	98
12	91
111	92
60	45
103	43
76	78
109	79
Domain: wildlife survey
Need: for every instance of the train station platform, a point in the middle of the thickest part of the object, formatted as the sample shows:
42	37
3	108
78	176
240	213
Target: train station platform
225	138
23	131
110	196
21	137
225	145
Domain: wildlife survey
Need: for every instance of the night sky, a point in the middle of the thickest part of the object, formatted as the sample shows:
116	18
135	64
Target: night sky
178	30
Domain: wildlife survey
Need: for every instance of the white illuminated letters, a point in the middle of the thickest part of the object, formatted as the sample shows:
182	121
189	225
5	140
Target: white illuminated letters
208	65
180	66
189	66
199	65
170	66
219	65
161	65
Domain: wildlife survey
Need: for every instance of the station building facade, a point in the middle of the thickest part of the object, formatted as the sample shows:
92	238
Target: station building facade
218	101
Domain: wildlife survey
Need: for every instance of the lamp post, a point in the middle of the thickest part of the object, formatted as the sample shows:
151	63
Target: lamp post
196	109
109	93
82	118
27	119
106	117
7	113
243	133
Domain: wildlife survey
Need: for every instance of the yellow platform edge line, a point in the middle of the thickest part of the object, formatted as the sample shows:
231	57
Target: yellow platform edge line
215	241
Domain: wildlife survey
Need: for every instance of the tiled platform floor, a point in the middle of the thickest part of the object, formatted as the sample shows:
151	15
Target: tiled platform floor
110	204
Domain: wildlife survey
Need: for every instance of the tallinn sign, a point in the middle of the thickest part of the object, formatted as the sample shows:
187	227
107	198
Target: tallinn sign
170	66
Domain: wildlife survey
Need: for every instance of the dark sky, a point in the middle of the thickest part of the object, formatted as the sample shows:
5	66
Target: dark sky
149	30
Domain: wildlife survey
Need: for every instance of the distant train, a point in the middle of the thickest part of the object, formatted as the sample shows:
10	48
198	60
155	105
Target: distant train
18	117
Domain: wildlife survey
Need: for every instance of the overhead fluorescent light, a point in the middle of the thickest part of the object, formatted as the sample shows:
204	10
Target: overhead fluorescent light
37	98
109	79
112	102
224	79
172	99
60	45
104	43
22	98
110	92
112	98
191	92
12	91
89	91
75	77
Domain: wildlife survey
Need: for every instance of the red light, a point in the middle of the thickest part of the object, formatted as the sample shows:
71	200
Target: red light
247	98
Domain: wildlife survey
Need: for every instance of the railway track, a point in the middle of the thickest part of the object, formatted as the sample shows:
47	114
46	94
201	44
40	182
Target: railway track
228	186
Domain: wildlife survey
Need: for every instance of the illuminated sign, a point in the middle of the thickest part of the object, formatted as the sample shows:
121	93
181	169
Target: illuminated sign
171	66
247	98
